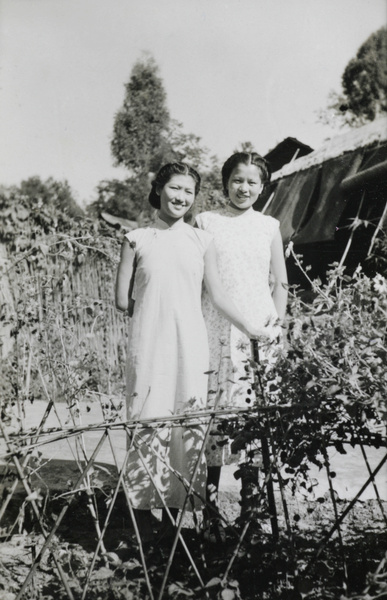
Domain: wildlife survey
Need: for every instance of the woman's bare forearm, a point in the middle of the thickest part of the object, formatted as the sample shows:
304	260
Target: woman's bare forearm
280	299
124	273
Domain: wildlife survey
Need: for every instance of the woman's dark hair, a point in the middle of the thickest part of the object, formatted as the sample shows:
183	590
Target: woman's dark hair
165	174
246	158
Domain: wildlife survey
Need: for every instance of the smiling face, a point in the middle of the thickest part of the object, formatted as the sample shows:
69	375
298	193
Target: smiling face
176	198
244	186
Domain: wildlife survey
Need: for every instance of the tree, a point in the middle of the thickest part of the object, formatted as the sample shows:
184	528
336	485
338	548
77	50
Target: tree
51	193
187	147
364	85
142	122
365	78
115	197
37	208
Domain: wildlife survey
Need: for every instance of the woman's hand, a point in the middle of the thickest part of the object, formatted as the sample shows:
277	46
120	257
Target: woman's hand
224	304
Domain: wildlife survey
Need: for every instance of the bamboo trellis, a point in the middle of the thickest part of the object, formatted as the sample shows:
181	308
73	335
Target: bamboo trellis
19	449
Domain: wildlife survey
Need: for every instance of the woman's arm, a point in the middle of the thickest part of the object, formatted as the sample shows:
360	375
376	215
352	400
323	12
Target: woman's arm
279	275
219	297
124	274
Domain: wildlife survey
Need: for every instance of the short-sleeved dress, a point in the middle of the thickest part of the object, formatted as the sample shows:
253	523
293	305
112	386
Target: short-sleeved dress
243	244
167	360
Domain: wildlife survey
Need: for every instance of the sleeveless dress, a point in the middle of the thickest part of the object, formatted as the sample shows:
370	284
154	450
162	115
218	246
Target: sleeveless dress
243	246
167	360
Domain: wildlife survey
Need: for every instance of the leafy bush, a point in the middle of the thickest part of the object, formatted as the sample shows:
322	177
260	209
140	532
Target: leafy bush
327	385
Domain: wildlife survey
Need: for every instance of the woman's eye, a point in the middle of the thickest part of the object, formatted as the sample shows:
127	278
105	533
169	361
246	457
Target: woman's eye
252	183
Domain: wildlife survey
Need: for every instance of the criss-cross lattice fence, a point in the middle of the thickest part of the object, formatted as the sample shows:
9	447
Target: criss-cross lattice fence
24	470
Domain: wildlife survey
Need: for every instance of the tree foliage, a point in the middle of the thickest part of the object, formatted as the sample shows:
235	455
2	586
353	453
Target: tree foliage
365	78
364	85
211	195
142	121
116	198
186	147
35	207
49	193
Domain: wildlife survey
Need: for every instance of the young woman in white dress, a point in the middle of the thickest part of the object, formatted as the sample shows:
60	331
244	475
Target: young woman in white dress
252	270
167	356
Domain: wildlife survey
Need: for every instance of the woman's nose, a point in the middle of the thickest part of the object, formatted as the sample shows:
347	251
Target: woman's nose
244	186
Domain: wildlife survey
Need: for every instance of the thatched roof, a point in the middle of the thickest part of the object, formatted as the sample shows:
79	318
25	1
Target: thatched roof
360	137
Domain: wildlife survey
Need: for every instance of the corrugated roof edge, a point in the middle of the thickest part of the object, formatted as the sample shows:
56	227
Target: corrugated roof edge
358	137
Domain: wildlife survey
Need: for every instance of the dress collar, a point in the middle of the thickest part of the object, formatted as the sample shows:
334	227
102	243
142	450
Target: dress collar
160	224
230	210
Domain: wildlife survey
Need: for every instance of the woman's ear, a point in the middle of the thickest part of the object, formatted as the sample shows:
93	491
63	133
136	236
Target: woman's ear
158	190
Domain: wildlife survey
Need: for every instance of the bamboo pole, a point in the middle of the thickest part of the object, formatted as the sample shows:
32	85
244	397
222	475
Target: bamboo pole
336	512
121	474
59	520
341	518
378	228
133	518
46	535
189	492
373	483
265	450
350	239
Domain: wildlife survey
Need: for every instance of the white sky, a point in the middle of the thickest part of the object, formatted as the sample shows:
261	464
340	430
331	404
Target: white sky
233	70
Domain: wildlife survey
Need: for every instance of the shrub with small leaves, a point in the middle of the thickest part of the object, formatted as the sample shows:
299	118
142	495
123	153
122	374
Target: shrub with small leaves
328	384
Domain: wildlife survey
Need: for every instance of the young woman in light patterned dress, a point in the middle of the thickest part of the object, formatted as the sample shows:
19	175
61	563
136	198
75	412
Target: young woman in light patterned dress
167	356
252	269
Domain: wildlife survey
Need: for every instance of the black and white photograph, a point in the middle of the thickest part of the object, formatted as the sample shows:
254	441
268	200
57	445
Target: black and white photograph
193	299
